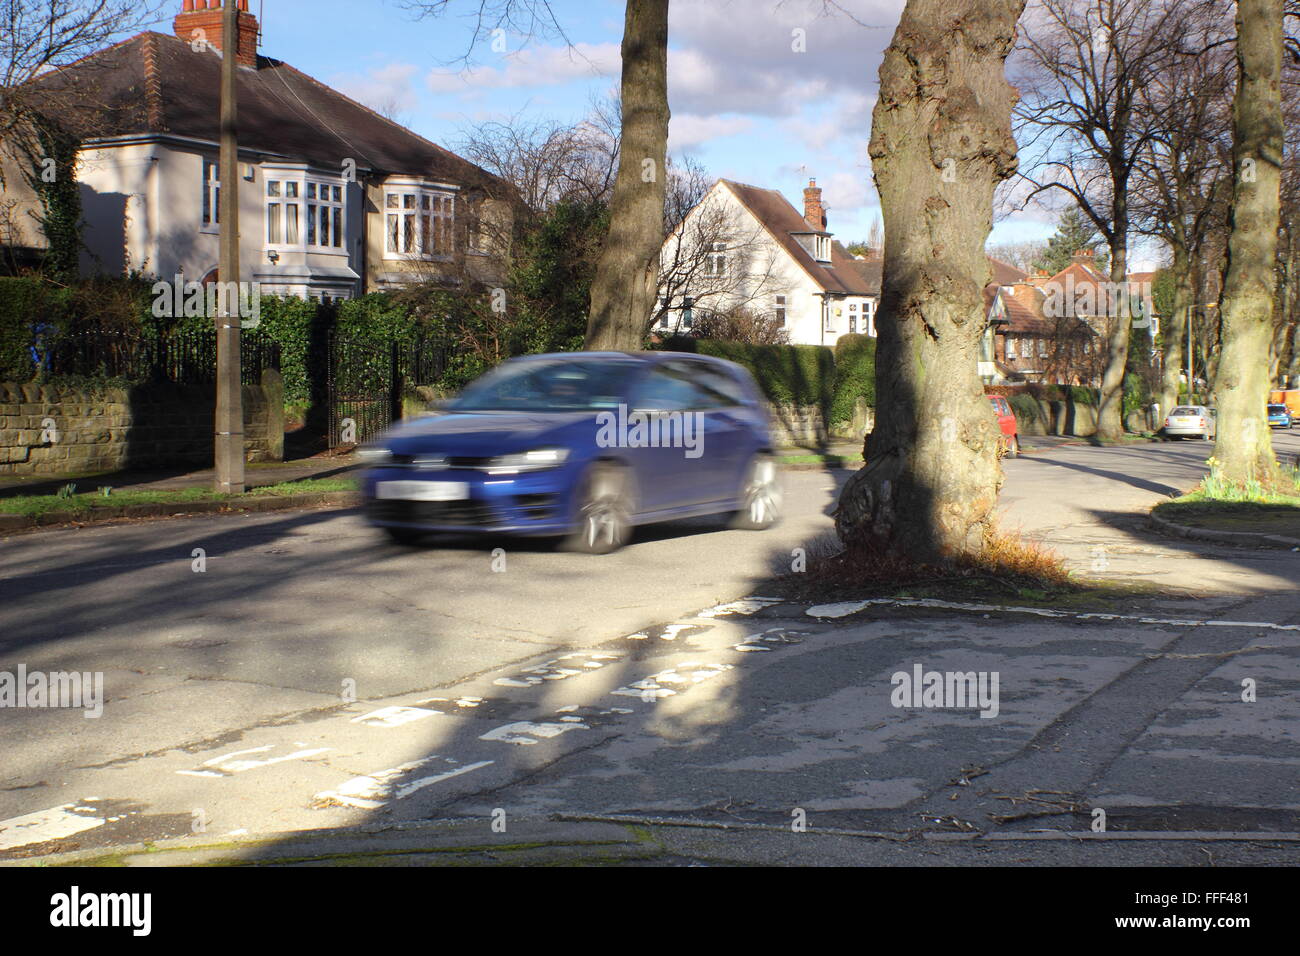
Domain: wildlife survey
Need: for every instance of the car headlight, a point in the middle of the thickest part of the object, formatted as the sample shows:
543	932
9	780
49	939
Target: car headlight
535	460
374	454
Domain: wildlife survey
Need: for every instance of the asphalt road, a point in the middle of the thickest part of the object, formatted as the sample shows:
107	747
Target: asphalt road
253	695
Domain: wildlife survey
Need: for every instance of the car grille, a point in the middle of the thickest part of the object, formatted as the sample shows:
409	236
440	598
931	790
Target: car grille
537	507
468	514
436	461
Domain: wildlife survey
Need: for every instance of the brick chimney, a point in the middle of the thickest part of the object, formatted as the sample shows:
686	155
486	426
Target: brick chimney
1084	257
813	210
206	16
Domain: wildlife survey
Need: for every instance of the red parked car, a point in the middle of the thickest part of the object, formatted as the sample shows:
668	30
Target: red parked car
1010	443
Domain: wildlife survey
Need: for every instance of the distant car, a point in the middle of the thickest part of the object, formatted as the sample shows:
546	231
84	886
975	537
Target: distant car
1191	421
1009	443
1279	416
580	445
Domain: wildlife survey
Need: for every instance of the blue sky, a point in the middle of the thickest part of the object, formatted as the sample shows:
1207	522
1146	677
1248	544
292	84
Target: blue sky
745	102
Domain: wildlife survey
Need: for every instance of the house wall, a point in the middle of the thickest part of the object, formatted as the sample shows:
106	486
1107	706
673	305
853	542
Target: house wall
777	274
98	430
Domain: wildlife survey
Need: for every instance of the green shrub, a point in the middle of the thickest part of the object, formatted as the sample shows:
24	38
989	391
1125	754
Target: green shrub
855	376
298	325
28	305
787	374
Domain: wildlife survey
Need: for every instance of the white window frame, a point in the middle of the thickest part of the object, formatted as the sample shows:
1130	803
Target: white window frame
779	310
419	221
715	260
1011	347
210	187
300	189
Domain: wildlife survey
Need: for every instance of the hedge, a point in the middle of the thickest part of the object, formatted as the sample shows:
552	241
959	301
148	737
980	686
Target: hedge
855	375
29	305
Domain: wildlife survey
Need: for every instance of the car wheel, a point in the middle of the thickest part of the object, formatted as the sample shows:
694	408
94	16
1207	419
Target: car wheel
604	510
404	535
760	496
1013	447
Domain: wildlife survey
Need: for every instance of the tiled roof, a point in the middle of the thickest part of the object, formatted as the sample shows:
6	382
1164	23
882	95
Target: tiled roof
781	219
158	84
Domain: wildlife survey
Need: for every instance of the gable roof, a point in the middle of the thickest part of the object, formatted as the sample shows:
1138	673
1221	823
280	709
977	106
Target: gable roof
1004	273
774	212
158	84
1025	318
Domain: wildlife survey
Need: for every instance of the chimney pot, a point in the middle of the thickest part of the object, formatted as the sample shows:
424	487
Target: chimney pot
207	16
814	213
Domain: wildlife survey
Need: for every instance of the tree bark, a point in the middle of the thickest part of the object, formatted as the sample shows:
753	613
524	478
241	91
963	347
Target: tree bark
623	290
1243	449
1110	414
1175	334
940	143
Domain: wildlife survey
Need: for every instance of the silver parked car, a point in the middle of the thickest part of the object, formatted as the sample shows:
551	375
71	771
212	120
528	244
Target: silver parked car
1191	421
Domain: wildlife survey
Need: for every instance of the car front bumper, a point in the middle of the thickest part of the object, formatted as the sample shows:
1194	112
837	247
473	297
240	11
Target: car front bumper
529	503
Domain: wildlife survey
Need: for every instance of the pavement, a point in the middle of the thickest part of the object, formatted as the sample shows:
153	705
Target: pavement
315	693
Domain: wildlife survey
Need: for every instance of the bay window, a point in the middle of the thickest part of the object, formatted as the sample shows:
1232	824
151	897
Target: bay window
306	212
418	221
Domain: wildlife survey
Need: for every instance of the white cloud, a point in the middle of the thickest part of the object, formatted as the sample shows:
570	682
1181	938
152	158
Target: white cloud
686	129
534	67
387	89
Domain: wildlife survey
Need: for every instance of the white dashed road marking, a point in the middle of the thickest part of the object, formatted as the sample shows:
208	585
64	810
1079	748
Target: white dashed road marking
226	764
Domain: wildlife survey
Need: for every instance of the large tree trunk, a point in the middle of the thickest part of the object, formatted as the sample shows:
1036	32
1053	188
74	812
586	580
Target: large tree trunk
1244	447
624	288
1110	414
940	142
1175	333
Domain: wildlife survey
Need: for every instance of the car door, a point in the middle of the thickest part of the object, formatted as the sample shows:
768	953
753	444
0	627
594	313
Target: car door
660	405
725	435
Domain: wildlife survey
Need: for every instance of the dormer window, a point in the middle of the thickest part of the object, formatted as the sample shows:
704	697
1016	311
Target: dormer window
822	245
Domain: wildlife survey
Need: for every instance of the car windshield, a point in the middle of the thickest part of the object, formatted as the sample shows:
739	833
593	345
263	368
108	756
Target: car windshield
545	387
1277	409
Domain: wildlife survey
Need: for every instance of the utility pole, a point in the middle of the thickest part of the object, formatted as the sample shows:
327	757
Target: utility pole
229	448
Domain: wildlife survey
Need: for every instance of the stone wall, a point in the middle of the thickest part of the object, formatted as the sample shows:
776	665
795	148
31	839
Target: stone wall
65	429
805	425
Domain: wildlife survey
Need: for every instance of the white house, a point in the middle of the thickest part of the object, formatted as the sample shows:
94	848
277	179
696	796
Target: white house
334	199
746	247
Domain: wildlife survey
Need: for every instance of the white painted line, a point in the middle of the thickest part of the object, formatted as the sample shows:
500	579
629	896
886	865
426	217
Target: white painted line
227	764
393	716
690	672
372	791
845	608
552	670
53	824
527	733
749	605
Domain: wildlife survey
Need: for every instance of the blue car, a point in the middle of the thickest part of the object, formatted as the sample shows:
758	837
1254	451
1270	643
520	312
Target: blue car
583	446
1279	416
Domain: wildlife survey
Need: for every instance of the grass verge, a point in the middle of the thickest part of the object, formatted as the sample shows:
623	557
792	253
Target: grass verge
86	503
1219	506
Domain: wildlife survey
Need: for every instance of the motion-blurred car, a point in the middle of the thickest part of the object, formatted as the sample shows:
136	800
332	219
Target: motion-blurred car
1191	421
1279	416
580	445
1009	443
